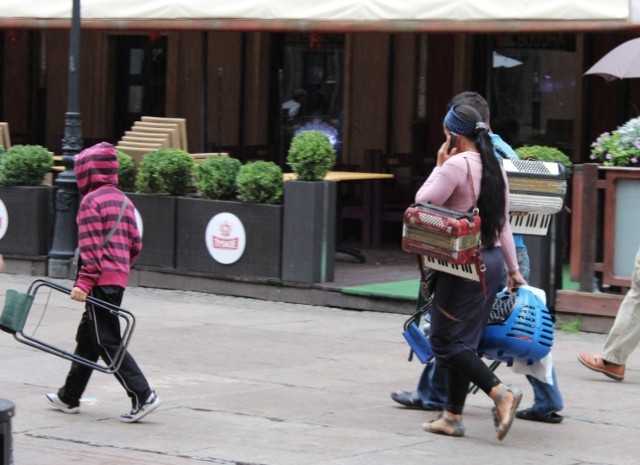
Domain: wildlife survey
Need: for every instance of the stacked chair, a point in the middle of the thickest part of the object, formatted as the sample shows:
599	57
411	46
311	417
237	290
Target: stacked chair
153	133
5	136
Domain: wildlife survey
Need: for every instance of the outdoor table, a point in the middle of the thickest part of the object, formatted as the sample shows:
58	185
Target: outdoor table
371	203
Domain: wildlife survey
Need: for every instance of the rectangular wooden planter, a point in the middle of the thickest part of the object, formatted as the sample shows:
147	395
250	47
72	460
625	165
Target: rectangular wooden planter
158	214
262	224
26	223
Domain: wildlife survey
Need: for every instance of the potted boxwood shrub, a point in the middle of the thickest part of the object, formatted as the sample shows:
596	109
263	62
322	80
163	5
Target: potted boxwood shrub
162	176
26	205
126	172
260	182
216	177
239	237
311	156
165	171
309	225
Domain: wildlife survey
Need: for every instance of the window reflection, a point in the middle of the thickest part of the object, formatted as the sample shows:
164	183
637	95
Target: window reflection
533	89
312	85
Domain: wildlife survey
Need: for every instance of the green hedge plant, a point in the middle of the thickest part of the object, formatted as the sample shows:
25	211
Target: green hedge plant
311	155
126	172
544	153
216	177
260	182
25	165
165	171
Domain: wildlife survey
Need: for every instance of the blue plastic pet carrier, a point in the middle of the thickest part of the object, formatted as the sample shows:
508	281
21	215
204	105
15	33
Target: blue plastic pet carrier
520	328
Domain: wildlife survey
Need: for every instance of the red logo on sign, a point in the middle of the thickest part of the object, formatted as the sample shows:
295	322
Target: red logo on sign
225	242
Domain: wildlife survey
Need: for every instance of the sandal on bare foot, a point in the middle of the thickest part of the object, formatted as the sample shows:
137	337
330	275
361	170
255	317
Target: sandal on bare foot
504	423
458	427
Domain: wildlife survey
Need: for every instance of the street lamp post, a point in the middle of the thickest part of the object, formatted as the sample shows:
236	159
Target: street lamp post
65	234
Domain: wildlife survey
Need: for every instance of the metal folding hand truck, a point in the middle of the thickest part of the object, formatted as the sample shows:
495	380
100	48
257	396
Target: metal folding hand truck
16	310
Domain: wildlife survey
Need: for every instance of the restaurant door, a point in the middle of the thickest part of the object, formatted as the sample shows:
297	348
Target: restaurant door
532	89
140	79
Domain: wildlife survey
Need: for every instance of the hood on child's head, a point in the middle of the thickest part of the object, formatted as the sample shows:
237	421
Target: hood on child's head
95	167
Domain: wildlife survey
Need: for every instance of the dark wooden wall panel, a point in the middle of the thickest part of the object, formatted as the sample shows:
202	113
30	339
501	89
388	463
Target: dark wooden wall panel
403	92
224	96
367	94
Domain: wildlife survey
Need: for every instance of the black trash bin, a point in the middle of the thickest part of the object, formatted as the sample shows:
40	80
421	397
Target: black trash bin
7	410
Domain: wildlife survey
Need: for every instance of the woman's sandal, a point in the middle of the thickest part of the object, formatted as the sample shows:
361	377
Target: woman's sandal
502	425
458	427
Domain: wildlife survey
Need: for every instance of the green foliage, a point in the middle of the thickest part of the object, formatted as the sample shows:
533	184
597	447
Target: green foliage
126	172
25	165
620	147
165	171
544	153
260	182
216	177
572	326
311	155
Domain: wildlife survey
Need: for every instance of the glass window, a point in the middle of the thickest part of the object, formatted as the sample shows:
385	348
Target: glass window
532	91
311	85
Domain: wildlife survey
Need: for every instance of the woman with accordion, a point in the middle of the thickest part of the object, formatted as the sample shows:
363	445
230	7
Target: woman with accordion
468	175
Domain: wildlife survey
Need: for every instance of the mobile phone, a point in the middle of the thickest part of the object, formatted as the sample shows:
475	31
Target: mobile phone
453	142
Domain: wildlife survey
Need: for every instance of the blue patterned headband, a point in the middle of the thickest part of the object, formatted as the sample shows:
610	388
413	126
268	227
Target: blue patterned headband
465	128
456	124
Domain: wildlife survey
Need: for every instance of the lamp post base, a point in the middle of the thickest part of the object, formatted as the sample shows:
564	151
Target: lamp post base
59	268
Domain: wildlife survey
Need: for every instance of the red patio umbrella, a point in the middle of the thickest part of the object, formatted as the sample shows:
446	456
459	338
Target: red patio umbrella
620	63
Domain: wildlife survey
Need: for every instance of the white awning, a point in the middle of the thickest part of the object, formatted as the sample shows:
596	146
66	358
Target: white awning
304	14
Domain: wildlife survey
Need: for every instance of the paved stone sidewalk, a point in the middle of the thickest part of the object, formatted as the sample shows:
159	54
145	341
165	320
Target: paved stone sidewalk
250	382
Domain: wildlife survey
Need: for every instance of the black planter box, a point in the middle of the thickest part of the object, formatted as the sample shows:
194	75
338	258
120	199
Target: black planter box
30	215
263	231
158	213
309	247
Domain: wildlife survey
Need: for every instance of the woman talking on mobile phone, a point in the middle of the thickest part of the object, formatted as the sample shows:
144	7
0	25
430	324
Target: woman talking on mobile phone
467	173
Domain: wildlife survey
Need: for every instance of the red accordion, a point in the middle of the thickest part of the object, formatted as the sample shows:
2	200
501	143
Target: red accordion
448	239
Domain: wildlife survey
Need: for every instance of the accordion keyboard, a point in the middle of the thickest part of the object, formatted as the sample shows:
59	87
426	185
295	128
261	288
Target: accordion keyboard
536	190
464	271
533	224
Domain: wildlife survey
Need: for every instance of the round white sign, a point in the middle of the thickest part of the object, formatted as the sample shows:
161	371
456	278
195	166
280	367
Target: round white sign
225	238
139	222
4	220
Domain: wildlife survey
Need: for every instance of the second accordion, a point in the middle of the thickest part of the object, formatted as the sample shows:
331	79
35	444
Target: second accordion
536	192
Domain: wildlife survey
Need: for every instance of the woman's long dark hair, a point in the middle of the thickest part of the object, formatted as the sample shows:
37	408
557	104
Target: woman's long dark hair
491	201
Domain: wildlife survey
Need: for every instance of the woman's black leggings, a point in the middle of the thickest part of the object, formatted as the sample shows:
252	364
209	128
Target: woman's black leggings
462	368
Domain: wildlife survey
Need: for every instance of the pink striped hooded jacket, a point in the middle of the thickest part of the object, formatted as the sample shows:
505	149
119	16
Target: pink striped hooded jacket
103	264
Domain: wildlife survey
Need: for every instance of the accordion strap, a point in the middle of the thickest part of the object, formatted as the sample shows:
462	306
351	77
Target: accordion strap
474	200
476	211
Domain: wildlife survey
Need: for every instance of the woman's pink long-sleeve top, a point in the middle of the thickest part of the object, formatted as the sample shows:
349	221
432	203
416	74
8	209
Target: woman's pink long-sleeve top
448	186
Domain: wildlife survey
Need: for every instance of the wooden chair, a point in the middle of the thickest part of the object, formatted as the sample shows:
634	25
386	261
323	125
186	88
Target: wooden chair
141	142
153	133
146	137
136	152
171	130
5	136
200	157
182	128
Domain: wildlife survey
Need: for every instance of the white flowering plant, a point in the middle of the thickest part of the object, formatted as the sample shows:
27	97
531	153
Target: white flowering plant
620	147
